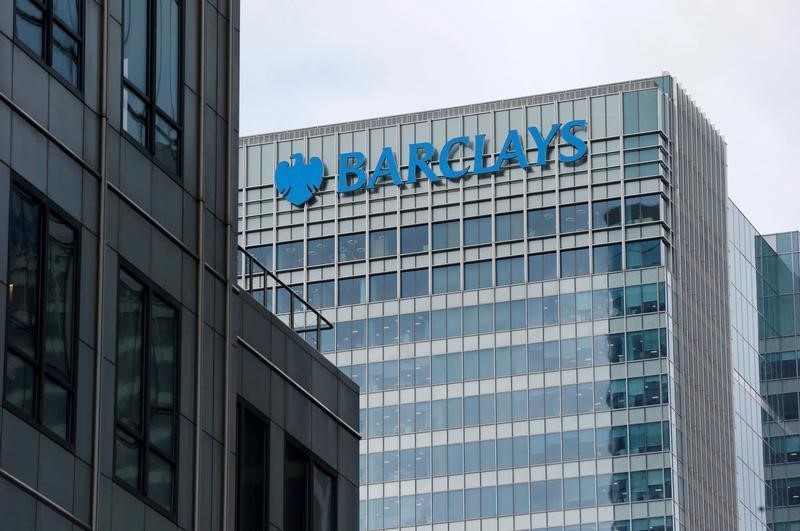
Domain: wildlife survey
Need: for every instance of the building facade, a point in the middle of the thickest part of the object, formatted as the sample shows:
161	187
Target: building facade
141	387
532	295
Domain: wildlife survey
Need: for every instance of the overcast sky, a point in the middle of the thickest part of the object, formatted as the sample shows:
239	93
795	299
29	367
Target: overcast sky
315	62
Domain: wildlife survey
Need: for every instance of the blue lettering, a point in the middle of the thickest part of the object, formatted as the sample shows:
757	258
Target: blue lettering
571	139
506	153
345	169
543	143
480	169
423	163
444	155
386	167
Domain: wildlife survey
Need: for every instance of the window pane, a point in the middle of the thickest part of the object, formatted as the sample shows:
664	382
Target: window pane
67	12
289	255
20	383
478	275
30	26
295	490
166	148
23	273
160	477
478	231
252	473
414	239
320	251
607	258
323	511
130	330
134	117
574	217
163	348
606	213
352	247
167	63
60	303
542	222
134	43
56	406
127	455
382	243
66	55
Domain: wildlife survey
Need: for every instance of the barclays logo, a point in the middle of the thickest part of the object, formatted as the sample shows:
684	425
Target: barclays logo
298	183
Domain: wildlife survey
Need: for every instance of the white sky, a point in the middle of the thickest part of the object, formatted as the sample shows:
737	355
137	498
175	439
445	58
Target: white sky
315	62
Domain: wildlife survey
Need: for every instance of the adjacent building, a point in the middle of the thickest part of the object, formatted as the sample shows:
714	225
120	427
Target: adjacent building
549	305
141	387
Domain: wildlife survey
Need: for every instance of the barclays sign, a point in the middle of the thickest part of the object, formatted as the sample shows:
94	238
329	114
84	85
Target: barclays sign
298	183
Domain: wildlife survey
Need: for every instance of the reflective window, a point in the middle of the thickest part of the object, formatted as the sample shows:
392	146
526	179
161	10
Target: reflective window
446	278
642	253
352	291
252	476
289	255
642	209
351	335
262	253
574	262
414	283
309	493
542	267
508	227
146	389
285	302
320	251
478	231
413	239
606	213
574	217
415	327
478	274
382	243
607	258
321	294
542	222
52	31
151	71
446	234
382	287
352	247
510	270
41	311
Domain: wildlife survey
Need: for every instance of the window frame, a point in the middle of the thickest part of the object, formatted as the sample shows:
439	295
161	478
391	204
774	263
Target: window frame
312	461
151	290
40	368
46	59
148	148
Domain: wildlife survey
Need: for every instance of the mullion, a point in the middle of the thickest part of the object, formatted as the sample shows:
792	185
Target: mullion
152	31
146	394
44	226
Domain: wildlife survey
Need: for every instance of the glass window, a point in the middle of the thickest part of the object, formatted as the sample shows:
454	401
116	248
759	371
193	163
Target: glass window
151	71
352	291
478	231
285	302
262	253
642	253
252	472
510	270
574	218
542	267
414	327
446	278
351	247
446	235
382	243
574	262
383	331
320	251
309	493
146	380
413	239
41	315
607	258
290	255
508	226
542	222
642	209
606	213
414	283
351	334
382	287
321	294
478	274
52	30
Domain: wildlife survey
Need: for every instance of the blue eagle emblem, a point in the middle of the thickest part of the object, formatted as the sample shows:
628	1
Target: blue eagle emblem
298	182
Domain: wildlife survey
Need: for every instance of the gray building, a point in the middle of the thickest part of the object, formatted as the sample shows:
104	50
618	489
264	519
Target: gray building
142	388
534	297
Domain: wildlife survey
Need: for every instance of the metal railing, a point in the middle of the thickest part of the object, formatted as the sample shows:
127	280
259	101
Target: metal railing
254	278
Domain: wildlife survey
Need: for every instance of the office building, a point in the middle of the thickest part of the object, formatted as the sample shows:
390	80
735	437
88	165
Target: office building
536	312
142	388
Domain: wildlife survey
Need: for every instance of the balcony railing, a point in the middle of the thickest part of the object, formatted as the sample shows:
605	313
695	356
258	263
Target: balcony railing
254	278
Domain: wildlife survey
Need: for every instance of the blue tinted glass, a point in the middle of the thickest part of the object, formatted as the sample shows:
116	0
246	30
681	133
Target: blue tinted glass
510	270
542	222
289	255
643	253
320	251
607	258
574	218
574	262
478	231
508	226
542	267
414	239
478	274
351	247
606	213
352	290
446	234
382	243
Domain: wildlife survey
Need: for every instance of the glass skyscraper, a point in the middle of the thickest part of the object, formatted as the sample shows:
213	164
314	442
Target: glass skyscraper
544	346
